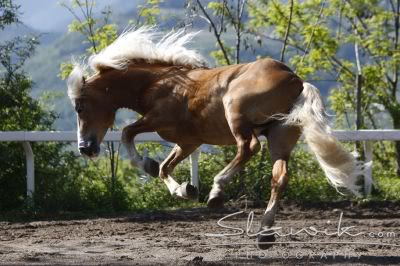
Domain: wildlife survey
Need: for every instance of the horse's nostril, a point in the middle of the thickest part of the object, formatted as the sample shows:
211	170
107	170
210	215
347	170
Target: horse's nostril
84	150
92	150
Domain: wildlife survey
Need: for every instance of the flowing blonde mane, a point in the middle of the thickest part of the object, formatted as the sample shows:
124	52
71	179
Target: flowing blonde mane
139	44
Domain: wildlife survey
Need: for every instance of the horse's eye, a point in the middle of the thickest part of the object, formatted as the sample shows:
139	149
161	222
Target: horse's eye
78	108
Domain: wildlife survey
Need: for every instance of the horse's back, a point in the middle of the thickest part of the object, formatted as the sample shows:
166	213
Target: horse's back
252	92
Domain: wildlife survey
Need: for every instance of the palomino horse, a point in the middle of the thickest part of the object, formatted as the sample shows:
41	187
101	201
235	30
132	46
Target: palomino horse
189	104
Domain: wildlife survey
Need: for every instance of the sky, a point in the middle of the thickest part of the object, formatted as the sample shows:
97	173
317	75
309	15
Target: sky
50	16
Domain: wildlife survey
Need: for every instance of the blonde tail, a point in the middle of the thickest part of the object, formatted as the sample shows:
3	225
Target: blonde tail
340	166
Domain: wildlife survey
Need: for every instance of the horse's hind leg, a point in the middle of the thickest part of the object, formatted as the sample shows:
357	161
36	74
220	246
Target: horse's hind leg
247	145
281	141
178	153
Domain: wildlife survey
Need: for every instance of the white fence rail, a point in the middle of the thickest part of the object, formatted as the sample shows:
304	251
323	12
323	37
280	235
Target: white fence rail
70	136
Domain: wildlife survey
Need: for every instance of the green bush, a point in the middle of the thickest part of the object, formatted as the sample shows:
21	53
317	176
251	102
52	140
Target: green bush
69	183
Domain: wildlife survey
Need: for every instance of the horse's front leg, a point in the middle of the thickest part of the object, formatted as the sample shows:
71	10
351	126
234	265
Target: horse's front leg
129	133
178	153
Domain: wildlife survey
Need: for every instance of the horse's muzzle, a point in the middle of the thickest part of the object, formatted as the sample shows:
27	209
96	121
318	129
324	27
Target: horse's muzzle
89	148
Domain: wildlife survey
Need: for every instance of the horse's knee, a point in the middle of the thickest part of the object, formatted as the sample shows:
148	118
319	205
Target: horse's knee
163	170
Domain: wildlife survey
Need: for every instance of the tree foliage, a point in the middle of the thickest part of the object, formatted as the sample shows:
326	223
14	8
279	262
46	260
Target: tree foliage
323	31
19	111
98	32
8	13
225	17
148	13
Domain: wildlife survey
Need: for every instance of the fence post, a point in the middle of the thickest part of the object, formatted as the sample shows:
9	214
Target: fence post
194	168
368	181
30	169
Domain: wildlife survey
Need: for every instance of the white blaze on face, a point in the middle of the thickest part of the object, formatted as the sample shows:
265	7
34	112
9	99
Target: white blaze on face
75	84
78	131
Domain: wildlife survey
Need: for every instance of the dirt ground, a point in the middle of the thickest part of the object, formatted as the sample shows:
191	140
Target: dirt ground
181	237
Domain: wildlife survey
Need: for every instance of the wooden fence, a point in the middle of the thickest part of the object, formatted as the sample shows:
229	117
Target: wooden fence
26	137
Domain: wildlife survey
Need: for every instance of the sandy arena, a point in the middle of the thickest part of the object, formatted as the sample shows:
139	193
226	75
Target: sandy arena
180	238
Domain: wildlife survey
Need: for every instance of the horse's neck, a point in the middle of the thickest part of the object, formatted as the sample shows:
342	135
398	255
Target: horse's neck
139	86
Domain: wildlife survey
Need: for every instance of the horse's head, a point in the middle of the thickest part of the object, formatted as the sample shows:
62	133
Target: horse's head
95	112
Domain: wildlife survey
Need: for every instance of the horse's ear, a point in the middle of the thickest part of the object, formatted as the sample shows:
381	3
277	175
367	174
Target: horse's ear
83	80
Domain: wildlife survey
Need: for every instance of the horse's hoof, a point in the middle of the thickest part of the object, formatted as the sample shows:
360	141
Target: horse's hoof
264	241
216	202
151	167
189	191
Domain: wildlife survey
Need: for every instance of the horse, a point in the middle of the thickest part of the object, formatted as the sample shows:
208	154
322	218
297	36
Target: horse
188	103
